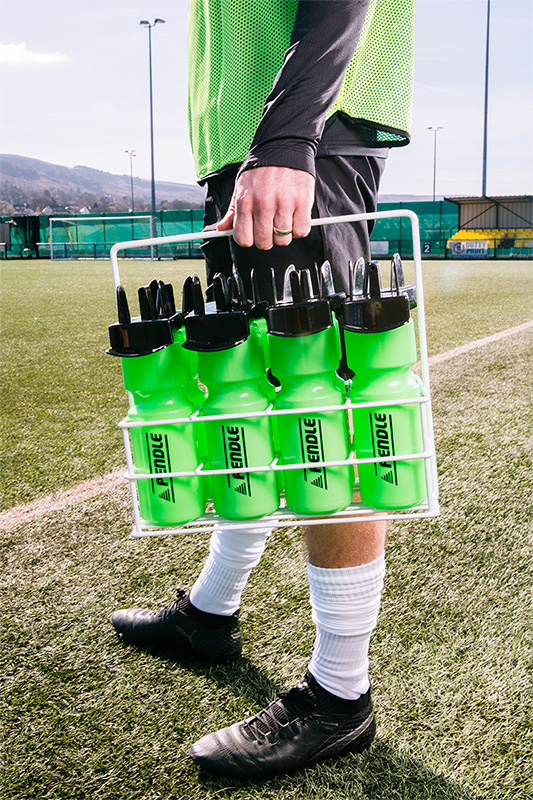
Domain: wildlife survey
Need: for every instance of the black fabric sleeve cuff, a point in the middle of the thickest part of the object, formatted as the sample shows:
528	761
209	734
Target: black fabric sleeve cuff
292	153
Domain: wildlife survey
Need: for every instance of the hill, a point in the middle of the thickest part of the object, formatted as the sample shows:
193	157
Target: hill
30	183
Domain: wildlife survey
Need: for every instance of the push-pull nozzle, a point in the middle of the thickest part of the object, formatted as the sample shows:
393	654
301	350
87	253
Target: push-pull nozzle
356	274
193	299
165	300
297	287
122	306
300	311
371	307
258	307
220	330
397	281
229	293
147	301
365	279
221	293
141	335
372	282
327	287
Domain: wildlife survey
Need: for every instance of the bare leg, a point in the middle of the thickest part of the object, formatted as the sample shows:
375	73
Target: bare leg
345	544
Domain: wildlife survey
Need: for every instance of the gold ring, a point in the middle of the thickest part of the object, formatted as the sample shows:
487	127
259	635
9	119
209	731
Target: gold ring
282	233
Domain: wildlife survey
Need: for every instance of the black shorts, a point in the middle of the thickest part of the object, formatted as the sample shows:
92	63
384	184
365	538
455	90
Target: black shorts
344	185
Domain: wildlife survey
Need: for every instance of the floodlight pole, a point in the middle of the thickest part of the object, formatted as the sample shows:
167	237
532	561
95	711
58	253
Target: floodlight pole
146	24
486	107
435	131
132	155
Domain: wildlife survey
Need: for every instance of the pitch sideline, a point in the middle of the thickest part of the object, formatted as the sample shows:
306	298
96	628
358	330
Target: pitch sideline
27	512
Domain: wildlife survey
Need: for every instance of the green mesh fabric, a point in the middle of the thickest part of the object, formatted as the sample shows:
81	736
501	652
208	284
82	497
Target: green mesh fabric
231	40
379	79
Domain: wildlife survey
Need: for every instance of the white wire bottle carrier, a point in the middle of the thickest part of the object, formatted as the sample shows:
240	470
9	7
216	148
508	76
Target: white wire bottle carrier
283	517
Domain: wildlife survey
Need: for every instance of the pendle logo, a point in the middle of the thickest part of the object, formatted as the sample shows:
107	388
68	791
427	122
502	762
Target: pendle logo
313	451
159	461
236	458
383	445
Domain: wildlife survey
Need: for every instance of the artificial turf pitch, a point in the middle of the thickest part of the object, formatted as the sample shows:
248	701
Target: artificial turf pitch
84	716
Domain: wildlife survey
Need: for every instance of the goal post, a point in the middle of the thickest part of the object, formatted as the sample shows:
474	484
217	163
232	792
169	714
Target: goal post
93	237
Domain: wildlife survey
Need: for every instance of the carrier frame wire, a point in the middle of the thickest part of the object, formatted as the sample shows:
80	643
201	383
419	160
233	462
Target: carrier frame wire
357	511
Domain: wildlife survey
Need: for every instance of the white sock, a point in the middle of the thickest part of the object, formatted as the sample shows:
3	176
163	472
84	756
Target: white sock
232	556
345	605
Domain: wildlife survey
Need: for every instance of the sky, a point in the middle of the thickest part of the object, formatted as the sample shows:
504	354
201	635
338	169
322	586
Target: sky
74	90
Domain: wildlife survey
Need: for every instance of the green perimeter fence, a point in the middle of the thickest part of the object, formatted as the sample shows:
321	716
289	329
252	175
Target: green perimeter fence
91	236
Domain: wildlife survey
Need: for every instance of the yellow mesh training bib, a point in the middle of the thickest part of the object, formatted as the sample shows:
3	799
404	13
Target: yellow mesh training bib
236	49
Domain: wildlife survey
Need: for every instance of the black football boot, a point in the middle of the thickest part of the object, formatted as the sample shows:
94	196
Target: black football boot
303	725
182	627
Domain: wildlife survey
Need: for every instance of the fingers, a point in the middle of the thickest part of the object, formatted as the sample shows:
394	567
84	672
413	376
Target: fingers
226	223
301	224
283	231
271	205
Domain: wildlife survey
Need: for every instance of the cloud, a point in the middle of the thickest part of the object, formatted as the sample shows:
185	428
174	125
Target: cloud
19	54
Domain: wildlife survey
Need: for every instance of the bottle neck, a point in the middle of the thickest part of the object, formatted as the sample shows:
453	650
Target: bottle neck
166	369
385	350
242	363
300	356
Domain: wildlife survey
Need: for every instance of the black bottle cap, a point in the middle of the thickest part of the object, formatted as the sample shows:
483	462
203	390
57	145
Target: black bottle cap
219	330
300	312
372	309
142	335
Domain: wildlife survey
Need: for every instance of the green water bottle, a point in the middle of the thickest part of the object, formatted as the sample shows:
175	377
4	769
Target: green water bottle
380	344
231	365
155	369
304	355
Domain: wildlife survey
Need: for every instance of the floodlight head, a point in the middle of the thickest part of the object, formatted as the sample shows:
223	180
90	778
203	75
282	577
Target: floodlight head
158	20
145	23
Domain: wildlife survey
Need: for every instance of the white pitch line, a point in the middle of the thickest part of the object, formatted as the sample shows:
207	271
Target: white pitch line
27	512
465	348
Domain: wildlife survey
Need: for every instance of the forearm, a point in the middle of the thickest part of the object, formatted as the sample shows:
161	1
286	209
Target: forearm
324	39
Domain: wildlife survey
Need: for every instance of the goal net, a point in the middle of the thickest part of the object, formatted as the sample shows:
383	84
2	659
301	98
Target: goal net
93	237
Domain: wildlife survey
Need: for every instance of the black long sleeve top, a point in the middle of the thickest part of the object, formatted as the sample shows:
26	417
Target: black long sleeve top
293	129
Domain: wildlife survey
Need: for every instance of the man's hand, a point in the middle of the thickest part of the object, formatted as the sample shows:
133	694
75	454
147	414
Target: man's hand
266	198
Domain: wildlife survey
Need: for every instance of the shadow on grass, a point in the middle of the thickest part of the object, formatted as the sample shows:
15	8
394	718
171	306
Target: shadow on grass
382	772
242	677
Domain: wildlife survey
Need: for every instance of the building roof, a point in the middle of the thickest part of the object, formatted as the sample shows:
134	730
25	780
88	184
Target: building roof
499	199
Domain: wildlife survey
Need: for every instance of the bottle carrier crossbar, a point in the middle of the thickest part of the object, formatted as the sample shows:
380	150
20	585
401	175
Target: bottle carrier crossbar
357	512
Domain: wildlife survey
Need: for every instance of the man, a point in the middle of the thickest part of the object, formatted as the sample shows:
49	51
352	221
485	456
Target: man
293	107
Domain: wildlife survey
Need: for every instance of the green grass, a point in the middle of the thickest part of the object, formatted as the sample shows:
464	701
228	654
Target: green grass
84	716
62	396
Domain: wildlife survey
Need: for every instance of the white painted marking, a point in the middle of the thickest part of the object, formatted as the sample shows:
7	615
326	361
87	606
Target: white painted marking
27	512
465	348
